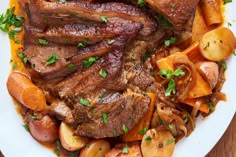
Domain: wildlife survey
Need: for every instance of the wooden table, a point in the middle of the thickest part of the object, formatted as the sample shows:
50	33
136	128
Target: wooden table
226	147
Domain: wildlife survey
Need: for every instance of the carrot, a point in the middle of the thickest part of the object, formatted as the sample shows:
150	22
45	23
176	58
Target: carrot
201	88
24	91
134	134
192	102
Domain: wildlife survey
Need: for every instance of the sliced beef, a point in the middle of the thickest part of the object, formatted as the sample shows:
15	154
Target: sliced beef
178	12
38	56
92	11
77	33
122	111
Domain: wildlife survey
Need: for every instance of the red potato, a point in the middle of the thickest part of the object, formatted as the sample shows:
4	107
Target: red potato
68	140
217	44
209	71
44	130
24	91
95	148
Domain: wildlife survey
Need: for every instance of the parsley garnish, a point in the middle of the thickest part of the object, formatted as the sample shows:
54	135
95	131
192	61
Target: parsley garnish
223	64
125	128
234	53
84	102
210	104
52	59
43	42
170	41
105	117
103	73
170	141
168	74
110	41
227	1
14	65
87	63
148	138
10	19
70	65
143	131
114	132
58	148
34	117
26	127
125	150
101	97
141	3
83	44
23	58
104	19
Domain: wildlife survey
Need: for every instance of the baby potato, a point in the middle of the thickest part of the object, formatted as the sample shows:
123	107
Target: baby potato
95	148
209	71
217	44
157	143
125	150
44	130
68	140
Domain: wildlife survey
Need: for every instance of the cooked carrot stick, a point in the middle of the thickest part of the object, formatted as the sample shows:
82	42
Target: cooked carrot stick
24	91
136	133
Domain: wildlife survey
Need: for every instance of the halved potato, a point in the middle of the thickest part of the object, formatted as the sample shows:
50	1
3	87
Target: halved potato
157	143
68	140
217	44
95	148
125	150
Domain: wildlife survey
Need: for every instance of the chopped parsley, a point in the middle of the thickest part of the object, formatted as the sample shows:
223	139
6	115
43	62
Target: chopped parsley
34	117
133	56
146	56
43	41
104	19
14	65
125	150
223	64
110	41
125	128
114	132
168	74
143	131
23	58
210	104
186	119
26	127
148	138
165	24
8	20
105	117
101	97
170	141
62	1
70	66
84	102
87	63
160	121
58	148
53	59
227	1
170	41
234	53
141	3
103	73
83	44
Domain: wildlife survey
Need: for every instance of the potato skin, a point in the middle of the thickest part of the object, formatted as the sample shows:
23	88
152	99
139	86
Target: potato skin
44	130
68	140
95	148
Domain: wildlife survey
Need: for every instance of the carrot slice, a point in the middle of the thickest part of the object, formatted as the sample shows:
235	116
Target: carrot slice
192	102
134	134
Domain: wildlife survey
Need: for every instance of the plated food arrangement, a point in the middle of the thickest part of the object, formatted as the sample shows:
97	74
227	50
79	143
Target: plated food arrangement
116	78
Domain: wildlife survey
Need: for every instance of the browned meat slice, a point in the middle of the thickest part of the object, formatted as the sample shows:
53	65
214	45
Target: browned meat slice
122	111
39	55
178	12
78	33
87	81
102	12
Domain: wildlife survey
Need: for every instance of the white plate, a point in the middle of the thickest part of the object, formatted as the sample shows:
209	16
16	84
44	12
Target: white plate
15	141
